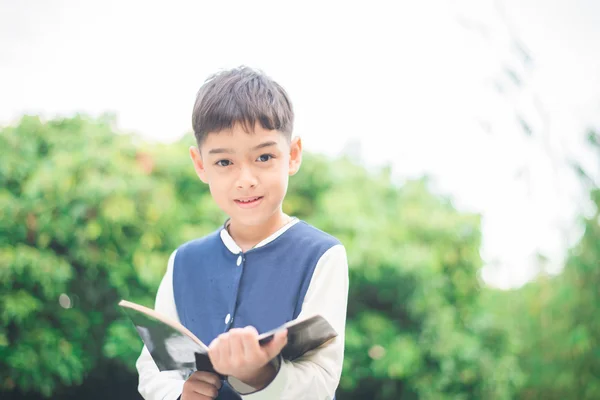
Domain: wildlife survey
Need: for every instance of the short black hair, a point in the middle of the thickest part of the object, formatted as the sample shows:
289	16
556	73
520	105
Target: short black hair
241	95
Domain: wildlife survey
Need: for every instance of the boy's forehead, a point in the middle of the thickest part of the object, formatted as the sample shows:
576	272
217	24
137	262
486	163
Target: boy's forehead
239	140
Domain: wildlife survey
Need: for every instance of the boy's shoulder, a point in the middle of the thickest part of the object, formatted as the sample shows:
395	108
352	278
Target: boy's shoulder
309	232
204	242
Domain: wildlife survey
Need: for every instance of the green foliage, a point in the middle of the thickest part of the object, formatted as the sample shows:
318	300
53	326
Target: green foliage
554	322
83	223
88	216
414	326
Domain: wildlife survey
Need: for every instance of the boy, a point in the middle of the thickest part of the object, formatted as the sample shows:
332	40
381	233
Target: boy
262	268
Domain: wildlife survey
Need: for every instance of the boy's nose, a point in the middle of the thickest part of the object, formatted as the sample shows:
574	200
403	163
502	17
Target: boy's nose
246	178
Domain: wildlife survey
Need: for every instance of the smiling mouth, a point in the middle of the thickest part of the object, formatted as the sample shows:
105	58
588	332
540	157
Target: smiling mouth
249	200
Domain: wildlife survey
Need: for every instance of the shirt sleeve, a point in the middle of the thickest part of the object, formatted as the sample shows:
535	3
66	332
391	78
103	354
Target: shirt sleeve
315	375
154	384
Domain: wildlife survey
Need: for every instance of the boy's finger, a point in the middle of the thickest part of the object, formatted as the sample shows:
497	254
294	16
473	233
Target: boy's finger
250	330
205	389
207	377
250	342
236	348
274	347
214	351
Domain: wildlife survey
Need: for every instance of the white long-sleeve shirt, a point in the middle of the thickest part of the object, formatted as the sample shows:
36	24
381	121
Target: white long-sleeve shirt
314	376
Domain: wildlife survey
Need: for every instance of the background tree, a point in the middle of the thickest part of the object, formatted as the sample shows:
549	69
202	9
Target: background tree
554	320
90	217
83	223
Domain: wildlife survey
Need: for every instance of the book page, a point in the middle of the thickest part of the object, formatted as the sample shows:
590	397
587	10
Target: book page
171	346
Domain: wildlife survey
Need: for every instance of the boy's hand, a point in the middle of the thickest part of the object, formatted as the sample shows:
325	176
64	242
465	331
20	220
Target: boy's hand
237	353
201	386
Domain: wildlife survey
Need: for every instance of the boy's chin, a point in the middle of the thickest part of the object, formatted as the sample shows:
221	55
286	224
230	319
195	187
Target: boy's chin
254	221
250	219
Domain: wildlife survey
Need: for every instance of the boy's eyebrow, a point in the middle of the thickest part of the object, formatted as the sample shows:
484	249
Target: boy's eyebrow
230	151
220	150
265	144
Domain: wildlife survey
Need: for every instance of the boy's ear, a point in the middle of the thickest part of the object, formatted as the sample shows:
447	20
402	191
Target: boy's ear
295	155
198	163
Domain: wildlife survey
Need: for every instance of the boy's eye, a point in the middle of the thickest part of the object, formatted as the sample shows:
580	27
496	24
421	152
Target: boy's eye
265	157
223	163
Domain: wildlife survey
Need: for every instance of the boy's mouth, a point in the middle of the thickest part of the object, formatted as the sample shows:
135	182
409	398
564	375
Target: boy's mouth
248	201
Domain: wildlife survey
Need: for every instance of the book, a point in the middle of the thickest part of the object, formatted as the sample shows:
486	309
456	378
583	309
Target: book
173	347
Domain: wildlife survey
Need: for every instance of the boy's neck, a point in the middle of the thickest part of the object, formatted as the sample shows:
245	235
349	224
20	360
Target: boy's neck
248	236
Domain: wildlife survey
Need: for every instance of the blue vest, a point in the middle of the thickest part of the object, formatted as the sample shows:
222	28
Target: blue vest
216	290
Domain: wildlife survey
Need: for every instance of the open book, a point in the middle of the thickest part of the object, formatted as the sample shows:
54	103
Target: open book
174	347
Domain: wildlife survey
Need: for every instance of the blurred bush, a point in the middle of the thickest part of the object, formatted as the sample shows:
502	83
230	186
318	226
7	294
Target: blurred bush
84	222
415	328
555	320
88	217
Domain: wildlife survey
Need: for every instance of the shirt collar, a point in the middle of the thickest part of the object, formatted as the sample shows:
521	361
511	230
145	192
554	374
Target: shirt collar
235	249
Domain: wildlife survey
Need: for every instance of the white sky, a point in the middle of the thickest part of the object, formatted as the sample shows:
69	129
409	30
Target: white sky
407	81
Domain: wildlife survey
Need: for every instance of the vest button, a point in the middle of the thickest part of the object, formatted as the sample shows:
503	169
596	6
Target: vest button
239	260
227	318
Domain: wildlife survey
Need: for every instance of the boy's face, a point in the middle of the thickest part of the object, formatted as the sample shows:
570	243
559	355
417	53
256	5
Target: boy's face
248	173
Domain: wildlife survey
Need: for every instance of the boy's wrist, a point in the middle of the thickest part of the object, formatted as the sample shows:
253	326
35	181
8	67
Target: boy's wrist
260	379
